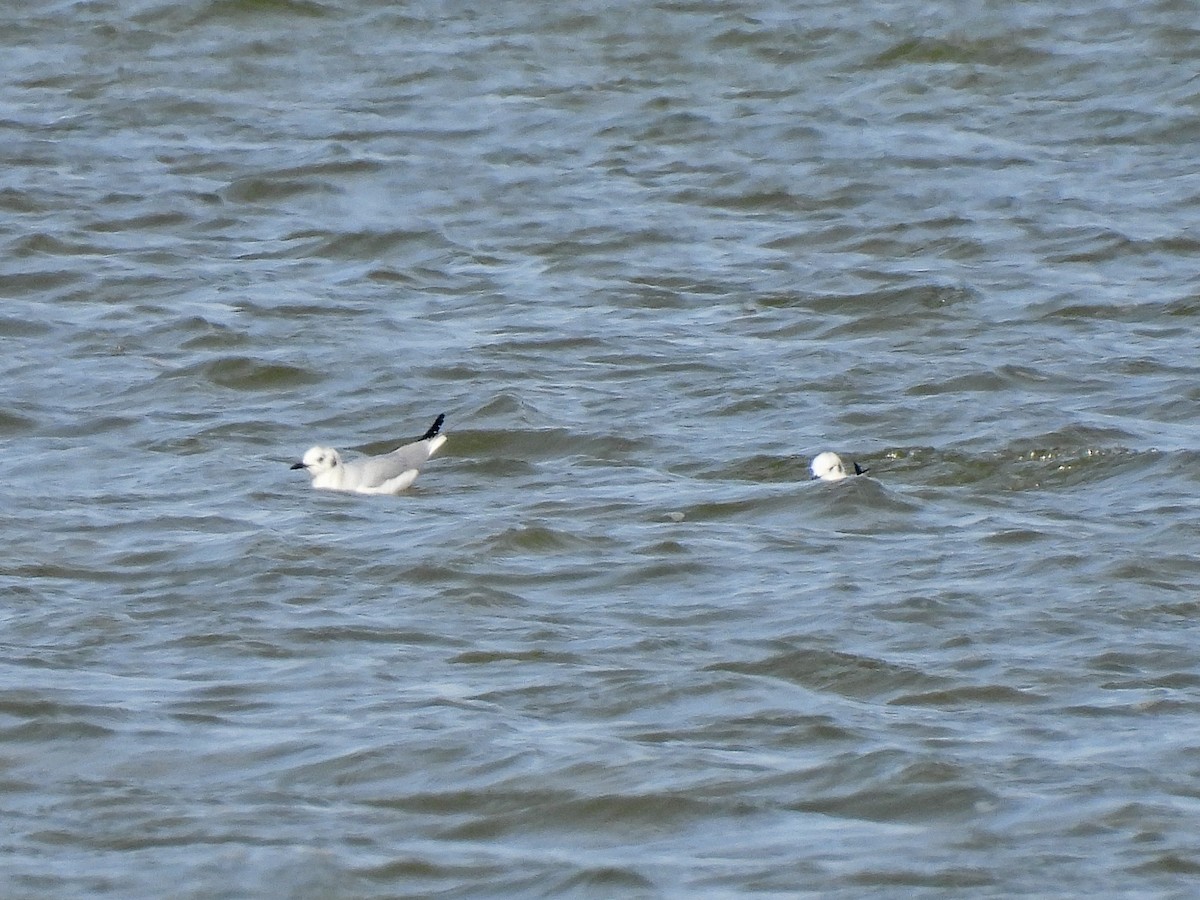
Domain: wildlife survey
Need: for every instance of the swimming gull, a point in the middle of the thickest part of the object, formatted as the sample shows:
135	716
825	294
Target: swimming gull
828	466
387	474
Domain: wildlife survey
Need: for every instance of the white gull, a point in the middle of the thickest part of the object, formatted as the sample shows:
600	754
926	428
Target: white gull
828	466
387	474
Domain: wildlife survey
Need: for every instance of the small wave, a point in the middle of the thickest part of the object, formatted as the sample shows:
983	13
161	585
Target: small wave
244	373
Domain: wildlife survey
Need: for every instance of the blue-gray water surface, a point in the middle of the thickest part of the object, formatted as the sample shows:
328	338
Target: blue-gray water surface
649	258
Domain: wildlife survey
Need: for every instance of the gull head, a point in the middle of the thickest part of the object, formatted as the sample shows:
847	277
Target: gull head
319	460
827	466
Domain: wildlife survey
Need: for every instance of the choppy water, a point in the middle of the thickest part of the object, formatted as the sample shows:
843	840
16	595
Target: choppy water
649	259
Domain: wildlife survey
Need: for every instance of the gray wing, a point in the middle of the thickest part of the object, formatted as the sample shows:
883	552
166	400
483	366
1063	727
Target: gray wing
375	470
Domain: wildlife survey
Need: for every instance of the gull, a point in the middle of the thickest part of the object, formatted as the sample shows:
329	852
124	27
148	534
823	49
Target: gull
828	466
387	474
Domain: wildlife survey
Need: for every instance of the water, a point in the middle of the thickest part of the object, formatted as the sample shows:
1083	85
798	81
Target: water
649	259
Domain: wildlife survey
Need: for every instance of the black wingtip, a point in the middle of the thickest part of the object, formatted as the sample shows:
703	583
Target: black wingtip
434	428
859	470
